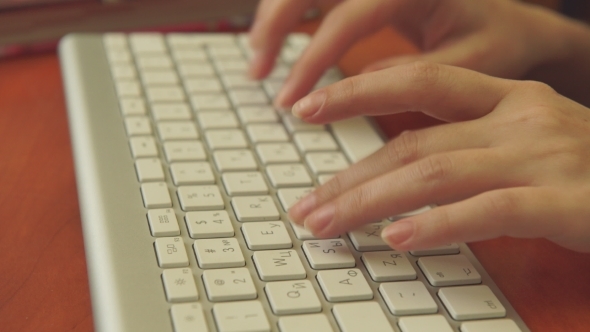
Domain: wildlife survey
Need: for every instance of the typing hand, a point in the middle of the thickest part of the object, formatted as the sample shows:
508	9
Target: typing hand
512	161
496	37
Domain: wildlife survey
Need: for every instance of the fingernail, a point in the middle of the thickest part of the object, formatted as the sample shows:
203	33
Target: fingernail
321	219
310	105
398	233
302	208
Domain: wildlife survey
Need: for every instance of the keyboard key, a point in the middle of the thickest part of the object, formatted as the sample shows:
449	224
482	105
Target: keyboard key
292	297
132	106
149	169
164	94
266	132
255	208
272	86
289	196
225	139
239	81
218	253
362	316
357	137
328	254
344	285
449	249
247	97
171	111
424	323
128	88
368	237
273	265
114	40
294	124
471	302
200	198
257	114
305	323
228	51
184	151
209	224
229	285
144	42
290	175
408	298
326	162
504	325
314	141
272	153
302	233
154	62
449	270
196	69
170	252
179	285
231	66
163	222
202	85
388	266
189	55
177	130
217	119
184	173
322	179
234	160
266	235
188	317
155	195
160	77
210	101
143	146
244	183
246	316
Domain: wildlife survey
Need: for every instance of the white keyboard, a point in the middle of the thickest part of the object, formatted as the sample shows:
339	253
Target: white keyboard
185	173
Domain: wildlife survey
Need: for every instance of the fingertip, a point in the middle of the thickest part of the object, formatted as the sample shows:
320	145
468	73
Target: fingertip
399	234
302	208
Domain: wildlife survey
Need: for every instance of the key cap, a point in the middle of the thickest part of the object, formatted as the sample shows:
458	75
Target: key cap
144	42
326	162
344	285
273	265
388	266
272	153
257	114
185	173
255	208
424	323
504	325
209	224
160	77
322	179
239	81
449	249
234	160
218	253
132	106
202	85
188	317
272	86
289	196
170	252
177	130
227	53
217	119
471	302
154	62
114	40
266	235
155	195
294	124
290	175
292	297
407	298
123	72
197	69
314	141
368	237
246	316
128	88
305	323
200	198
157	94
179	285
210	101
302	233
171	111
184	151
229	285
356	137
362	316
328	254
149	169
119	57
449	270
231	66
225	139
267	132
143	146
163	222
244	183
189	55
248	97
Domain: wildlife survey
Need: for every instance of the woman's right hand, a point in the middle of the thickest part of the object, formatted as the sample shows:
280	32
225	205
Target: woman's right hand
497	37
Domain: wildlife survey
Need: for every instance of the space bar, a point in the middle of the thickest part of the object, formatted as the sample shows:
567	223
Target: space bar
357	137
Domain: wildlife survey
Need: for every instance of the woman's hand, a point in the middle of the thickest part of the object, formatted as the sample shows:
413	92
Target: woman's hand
514	161
497	37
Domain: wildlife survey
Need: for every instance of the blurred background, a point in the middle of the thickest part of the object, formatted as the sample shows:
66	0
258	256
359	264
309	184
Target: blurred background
35	25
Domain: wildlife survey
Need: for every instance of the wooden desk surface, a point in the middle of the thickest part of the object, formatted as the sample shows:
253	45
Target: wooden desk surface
43	279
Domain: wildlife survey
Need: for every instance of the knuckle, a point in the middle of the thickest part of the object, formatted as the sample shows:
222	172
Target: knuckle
435	168
403	149
358	200
536	88
501	204
423	73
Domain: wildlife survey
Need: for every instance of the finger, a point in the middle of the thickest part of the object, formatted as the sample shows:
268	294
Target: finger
404	149
531	212
344	25
443	92
442	177
273	21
